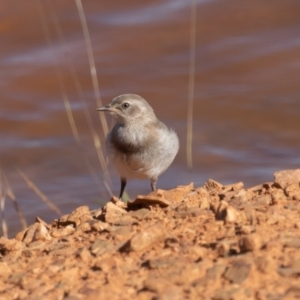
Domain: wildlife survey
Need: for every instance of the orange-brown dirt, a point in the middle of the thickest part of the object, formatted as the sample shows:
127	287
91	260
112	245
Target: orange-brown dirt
210	242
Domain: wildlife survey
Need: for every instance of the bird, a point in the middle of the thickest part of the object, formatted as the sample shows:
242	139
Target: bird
139	145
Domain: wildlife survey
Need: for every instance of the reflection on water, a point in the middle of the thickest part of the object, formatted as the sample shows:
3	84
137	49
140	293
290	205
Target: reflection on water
246	123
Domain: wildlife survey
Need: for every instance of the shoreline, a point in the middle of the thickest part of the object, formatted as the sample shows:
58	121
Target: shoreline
208	242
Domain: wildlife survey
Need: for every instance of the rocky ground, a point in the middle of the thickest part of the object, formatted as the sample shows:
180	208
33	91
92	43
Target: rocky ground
211	242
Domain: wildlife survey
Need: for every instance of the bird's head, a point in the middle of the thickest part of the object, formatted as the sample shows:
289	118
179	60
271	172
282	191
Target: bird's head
129	108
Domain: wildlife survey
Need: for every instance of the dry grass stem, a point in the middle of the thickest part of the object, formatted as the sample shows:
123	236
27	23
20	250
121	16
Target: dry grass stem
191	86
12	197
58	74
101	157
71	119
42	196
96	139
91	63
2	208
64	94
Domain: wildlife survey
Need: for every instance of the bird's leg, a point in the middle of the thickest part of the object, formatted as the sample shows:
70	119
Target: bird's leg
123	184
153	183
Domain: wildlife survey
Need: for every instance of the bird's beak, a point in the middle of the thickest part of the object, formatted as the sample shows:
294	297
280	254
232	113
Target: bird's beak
104	108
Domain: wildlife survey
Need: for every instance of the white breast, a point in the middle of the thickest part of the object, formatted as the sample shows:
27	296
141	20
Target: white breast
151	161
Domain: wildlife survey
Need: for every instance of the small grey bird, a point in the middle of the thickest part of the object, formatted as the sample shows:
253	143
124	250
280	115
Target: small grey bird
139	145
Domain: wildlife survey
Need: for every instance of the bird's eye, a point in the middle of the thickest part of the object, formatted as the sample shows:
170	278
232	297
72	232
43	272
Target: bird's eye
125	105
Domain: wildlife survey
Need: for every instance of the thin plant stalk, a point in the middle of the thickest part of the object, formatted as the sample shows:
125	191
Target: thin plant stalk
9	193
64	95
189	155
66	100
2	208
91	63
95	136
40	194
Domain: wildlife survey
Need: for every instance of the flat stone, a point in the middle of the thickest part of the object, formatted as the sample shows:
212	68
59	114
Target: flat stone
233	187
163	288
291	207
15	278
162	262
84	227
84	218
257	188
140	214
228	213
64	231
238	272
183	272
232	215
223	248
105	264
63	218
20	235
204	202
76	215
34	248
197	198
39	220
41	233
196	252
57	246
290	241
121	230
84	254
173	196
212	185
146	237
289	272
30	252
278	196
190	212
30	233
226	195
287	177
216	272
244	196
265	264
250	215
112	212
96	214
115	200
251	242
147	201
123	220
245	229
239	202
262	201
293	190
100	247
203	198
54	269
235	293
293	292
100	226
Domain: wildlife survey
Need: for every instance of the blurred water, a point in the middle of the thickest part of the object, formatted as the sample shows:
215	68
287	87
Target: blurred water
246	110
